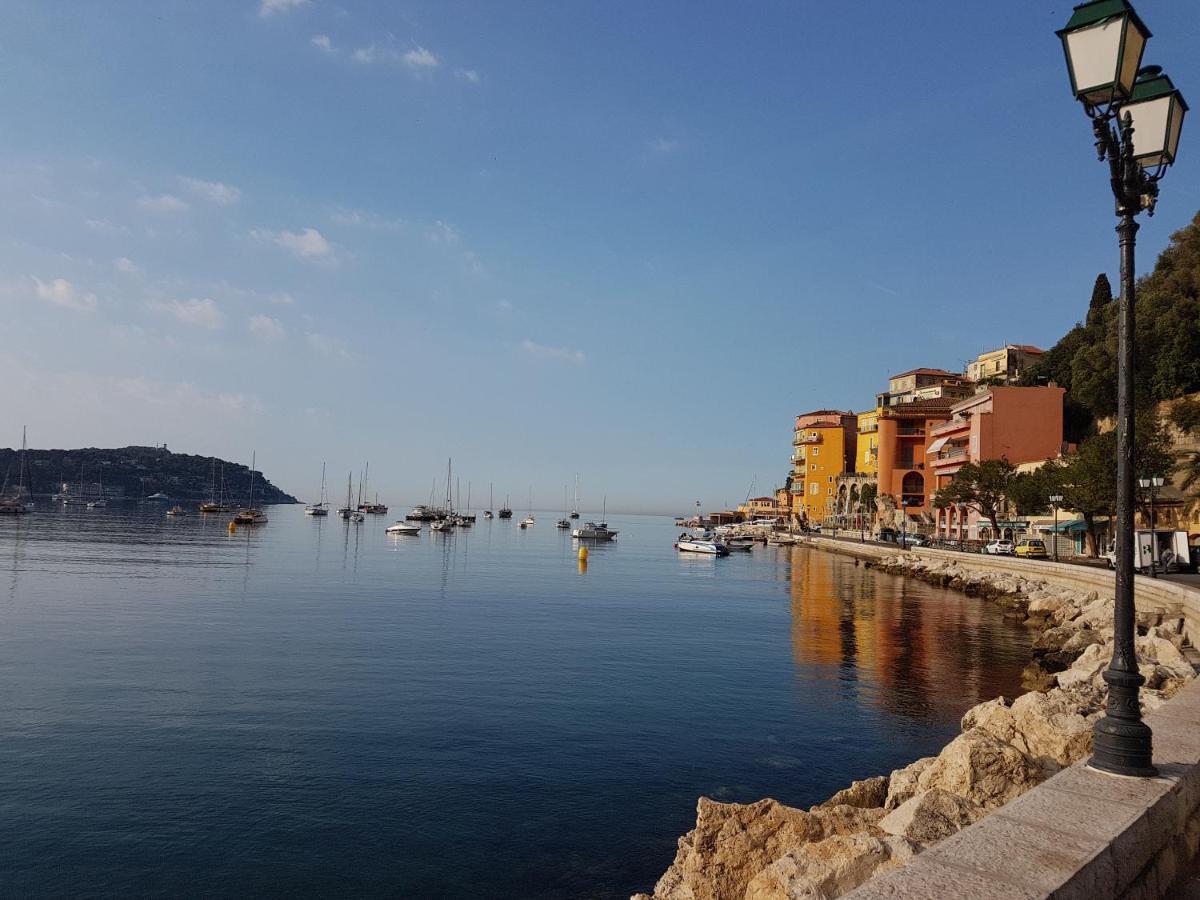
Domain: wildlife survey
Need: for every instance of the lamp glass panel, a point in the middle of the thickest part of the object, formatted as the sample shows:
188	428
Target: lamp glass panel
1135	43
1094	52
1173	131
1150	120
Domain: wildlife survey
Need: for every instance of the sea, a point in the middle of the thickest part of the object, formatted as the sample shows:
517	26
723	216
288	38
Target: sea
315	708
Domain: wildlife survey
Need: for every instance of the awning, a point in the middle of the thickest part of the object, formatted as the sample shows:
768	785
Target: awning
937	445
1070	526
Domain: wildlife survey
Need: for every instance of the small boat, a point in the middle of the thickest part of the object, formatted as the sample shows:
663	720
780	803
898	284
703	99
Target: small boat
159	496
527	522
781	539
442	525
321	507
594	531
177	511
403	528
703	543
216	499
249	515
19	501
97	504
563	523
505	510
464	521
739	542
575	509
214	507
347	511
356	517
487	513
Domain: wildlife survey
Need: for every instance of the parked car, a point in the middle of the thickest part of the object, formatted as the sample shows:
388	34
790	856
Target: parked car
889	535
916	540
1031	548
999	548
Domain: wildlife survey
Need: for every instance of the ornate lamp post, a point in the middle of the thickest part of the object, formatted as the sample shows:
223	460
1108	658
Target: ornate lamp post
1055	501
1152	485
1103	42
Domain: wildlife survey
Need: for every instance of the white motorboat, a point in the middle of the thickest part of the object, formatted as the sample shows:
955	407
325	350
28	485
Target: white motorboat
357	517
404	528
704	543
594	531
527	522
177	511
442	525
97	504
781	539
739	542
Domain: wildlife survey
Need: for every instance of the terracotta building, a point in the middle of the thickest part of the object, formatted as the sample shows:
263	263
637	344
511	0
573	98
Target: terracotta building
1020	424
904	434
823	447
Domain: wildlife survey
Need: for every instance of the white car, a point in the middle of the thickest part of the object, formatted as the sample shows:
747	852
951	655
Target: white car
999	548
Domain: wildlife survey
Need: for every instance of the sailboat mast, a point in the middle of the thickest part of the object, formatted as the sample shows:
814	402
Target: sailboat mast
253	465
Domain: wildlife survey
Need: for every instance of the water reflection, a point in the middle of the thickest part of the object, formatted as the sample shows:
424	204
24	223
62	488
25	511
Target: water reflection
913	650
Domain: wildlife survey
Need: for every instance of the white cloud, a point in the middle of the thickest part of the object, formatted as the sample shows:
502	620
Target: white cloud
559	354
163	203
468	75
323	42
443	233
266	329
664	145
104	226
281	299
365	218
127	266
213	191
306	244
372	54
60	292
198	312
271	7
328	346
420	59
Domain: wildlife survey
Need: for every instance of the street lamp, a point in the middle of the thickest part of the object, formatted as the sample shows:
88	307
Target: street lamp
1152	485
1055	501
1103	42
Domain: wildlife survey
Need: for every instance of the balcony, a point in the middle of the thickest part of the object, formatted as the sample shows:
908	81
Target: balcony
953	453
909	431
806	439
868	429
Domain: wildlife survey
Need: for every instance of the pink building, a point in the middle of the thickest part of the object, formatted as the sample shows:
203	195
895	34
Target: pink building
1020	424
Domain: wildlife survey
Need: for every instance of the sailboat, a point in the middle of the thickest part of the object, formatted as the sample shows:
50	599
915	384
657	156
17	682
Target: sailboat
467	518
346	510
505	510
249	515
216	500
487	513
99	502
376	508
575	508
19	502
527	522
320	508
563	522
447	522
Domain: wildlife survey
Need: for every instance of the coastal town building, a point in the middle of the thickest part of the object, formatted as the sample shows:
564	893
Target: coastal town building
922	384
776	506
866	461
823	447
1019	424
1005	365
904	431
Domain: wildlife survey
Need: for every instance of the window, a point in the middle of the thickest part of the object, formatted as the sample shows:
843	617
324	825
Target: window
813	489
831	479
812	467
816	451
829	491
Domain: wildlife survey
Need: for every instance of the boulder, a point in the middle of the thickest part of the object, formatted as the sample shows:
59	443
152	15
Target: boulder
903	783
1043	605
868	793
1163	652
1087	667
931	815
731	843
994	717
829	868
847	819
1097	614
978	767
1055	728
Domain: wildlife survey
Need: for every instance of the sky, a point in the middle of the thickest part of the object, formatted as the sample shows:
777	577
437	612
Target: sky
626	240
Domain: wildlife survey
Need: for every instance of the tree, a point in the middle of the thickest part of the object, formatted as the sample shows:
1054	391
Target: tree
983	487
1186	417
1089	482
1102	295
1030	491
867	496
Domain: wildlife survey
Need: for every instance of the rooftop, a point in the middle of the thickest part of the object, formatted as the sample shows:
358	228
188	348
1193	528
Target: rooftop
926	372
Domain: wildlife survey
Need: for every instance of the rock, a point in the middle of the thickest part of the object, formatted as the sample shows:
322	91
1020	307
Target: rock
1084	670
982	769
1081	640
903	783
930	816
829	868
1097	614
994	717
1035	677
1053	728
868	793
1044	606
847	819
731	843
1163	652
1052	639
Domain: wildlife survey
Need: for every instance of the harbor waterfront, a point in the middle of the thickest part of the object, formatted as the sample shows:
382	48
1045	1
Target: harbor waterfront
318	707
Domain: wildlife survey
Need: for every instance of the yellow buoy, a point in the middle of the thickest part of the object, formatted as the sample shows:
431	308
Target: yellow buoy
233	527
583	554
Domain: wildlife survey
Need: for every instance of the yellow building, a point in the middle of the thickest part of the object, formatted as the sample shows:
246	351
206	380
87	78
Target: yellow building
867	455
823	447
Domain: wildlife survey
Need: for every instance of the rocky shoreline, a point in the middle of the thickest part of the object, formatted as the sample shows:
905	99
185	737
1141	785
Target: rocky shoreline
769	851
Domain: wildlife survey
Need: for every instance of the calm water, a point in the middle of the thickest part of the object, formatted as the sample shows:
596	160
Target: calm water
316	708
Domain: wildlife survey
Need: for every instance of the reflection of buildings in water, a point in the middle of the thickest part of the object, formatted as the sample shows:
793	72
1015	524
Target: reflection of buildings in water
915	650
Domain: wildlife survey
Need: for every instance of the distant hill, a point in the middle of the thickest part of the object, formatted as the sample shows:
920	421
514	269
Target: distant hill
138	472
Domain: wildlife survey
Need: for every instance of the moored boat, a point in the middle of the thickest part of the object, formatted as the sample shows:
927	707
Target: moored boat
594	531
321	507
20	500
403	528
177	511
249	514
702	543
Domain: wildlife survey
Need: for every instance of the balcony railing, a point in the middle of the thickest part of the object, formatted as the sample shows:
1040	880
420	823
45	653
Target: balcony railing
807	439
910	432
956	453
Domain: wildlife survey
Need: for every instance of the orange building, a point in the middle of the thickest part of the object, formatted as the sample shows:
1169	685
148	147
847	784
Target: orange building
903	437
1020	424
823	447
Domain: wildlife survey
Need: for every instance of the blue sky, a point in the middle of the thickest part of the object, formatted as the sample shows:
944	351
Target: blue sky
626	239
